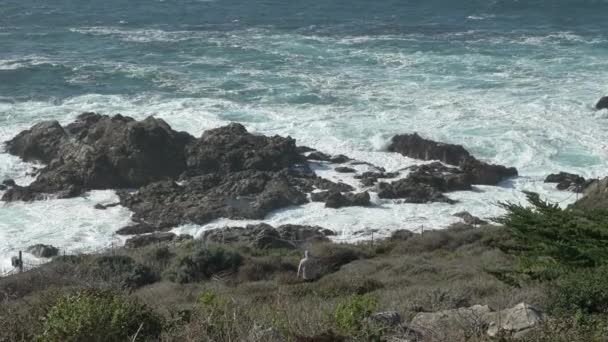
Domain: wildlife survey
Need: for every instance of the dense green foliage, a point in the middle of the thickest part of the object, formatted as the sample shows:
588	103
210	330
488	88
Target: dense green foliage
551	241
98	315
350	315
202	263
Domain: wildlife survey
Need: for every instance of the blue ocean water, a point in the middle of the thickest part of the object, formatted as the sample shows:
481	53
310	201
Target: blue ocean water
513	81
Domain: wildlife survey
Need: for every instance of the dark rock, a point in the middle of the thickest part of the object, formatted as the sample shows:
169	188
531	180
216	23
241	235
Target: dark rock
316	155
320	156
401	234
440	177
602	103
467	218
232	148
344	169
145	240
370	178
40	143
414	146
100	206
9	182
265	236
325	184
43	251
339	159
137	229
411	191
238	195
304	149
487	174
335	199
101	152
3	187
566	181
19	193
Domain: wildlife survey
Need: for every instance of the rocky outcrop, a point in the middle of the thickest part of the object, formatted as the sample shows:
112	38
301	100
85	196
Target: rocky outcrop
238	195
336	199
602	103
478	172
477	320
265	236
320	156
43	251
99	152
567	181
41	143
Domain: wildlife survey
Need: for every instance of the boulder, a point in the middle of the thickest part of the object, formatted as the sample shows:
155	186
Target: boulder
567	181
602	103
440	177
516	321
149	239
453	325
467	218
43	251
478	320
3	187
320	156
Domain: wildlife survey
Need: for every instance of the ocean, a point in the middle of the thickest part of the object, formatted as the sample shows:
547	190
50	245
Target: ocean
515	82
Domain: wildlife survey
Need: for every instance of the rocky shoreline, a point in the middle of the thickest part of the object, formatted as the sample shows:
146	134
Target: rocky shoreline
169	178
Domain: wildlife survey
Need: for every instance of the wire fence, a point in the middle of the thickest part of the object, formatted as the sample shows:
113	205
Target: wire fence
28	263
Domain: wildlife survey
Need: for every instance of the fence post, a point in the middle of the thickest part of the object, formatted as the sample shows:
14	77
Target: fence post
421	230
372	238
20	262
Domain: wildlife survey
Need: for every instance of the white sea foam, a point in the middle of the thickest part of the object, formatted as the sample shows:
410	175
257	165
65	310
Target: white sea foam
522	110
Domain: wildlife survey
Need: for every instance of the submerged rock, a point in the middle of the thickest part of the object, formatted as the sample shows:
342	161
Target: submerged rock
411	192
344	169
370	178
43	251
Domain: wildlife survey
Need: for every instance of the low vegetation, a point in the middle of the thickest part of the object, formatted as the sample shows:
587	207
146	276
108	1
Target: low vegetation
549	257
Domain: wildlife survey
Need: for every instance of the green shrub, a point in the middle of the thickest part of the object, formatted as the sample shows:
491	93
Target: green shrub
350	315
99	315
584	291
202	264
130	274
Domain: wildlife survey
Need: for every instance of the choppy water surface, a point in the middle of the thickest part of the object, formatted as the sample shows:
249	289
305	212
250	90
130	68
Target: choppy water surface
513	81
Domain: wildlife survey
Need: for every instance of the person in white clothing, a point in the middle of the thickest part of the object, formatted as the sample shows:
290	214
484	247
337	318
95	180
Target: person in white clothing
306	268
